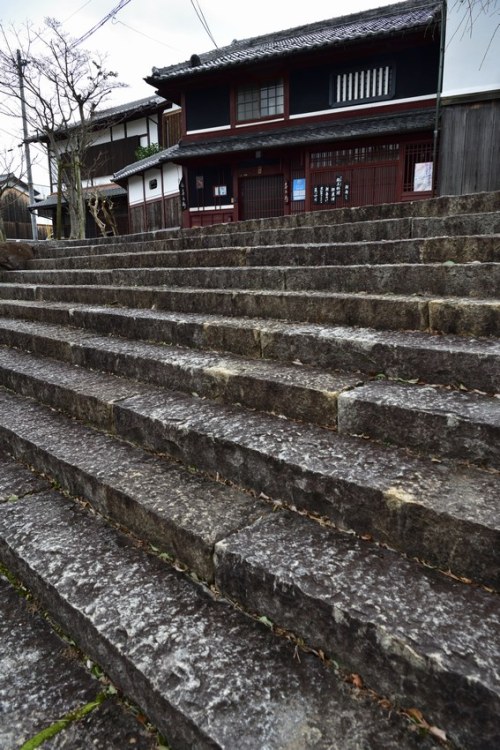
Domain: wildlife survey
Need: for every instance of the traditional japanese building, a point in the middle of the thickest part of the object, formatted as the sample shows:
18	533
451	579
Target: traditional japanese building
335	113
118	134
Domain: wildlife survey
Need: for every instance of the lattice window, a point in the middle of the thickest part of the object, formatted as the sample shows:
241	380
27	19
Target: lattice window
255	102
355	155
362	85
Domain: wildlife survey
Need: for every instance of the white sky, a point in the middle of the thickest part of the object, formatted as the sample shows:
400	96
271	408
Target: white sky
157	33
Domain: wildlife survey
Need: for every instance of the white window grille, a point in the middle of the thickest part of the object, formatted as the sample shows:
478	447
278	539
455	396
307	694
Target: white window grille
369	84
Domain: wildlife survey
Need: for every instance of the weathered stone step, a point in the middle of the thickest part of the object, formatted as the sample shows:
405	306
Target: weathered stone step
41	682
446	423
320	229
456	424
317	227
380	615
296	391
464	316
473	203
480	223
480	280
177	510
484	249
205	674
443	512
450	360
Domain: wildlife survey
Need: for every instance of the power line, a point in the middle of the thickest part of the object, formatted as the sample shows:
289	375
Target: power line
203	21
77	11
151	39
106	18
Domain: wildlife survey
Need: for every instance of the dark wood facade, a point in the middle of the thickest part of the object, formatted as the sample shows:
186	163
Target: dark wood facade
332	124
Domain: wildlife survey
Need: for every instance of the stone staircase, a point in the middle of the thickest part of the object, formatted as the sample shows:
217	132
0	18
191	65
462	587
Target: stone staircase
253	471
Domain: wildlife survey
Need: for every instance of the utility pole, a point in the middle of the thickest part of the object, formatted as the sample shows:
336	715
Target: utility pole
20	65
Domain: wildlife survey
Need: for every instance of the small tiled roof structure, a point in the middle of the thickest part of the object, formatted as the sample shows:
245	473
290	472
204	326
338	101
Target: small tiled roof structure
107	190
378	22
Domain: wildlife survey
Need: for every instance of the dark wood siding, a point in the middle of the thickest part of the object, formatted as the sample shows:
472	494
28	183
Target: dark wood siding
207	108
107	158
473	131
172	128
415	71
159	214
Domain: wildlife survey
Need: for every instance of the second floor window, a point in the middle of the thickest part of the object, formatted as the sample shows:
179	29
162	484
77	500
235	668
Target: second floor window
256	102
362	85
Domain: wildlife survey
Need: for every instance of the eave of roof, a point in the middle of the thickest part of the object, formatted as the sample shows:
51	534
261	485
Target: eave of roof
150	162
117	114
377	22
106	190
339	130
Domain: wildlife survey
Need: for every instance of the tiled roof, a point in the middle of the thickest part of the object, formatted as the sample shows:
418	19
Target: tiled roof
148	163
129	108
376	22
339	130
119	113
107	190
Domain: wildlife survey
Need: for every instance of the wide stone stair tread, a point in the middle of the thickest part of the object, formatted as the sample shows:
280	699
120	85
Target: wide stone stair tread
444	422
445	513
454	360
462	280
479	248
469	316
205	674
299	392
356	602
440	421
41	682
181	511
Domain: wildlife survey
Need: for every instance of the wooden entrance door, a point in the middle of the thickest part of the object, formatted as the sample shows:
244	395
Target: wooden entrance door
261	197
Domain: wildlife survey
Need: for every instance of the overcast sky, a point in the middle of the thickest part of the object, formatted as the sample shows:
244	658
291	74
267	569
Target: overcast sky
156	33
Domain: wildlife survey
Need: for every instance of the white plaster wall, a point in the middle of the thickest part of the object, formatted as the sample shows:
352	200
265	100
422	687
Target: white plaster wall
472	52
150	193
171	177
135	189
137	127
118	132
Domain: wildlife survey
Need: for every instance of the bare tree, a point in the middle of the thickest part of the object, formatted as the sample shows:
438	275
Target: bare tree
62	87
471	9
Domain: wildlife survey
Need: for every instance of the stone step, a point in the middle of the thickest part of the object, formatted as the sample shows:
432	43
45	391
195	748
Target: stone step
377	614
480	223
204	673
481	280
178	510
463	316
484	249
442	512
433	207
296	391
42	682
436	420
449	360
328	226
443	422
